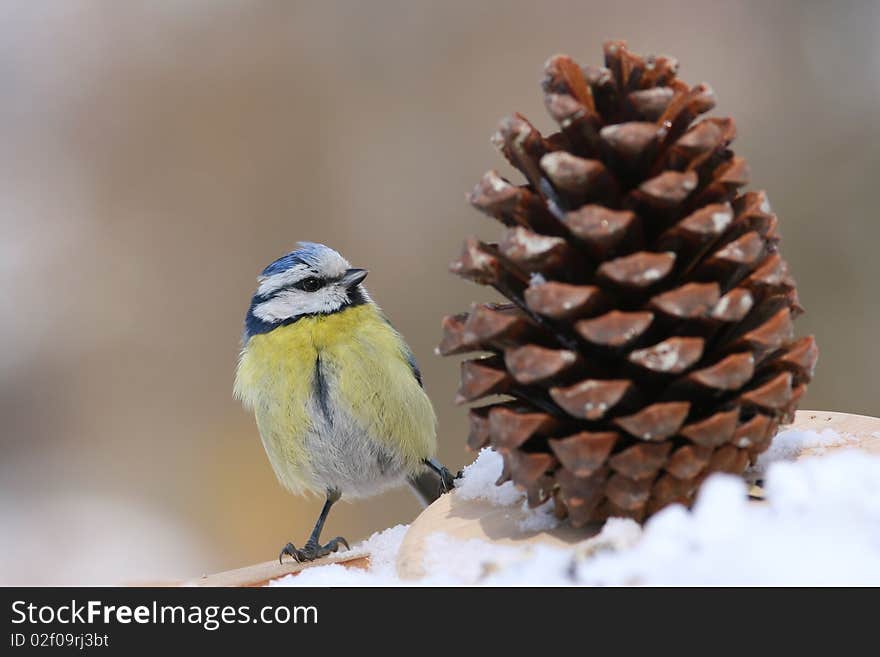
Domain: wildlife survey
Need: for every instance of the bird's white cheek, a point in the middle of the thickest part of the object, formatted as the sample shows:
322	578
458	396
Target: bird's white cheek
274	310
293	303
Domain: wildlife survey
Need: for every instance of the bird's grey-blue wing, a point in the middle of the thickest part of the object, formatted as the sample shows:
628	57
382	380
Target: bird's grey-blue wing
407	354
413	365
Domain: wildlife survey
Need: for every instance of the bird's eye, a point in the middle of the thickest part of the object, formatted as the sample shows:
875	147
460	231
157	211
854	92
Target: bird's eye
309	284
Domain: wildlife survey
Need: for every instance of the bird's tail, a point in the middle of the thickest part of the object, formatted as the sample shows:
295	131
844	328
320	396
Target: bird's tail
432	482
425	486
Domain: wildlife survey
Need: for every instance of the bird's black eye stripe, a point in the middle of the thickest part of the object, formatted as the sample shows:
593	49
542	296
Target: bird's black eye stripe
309	284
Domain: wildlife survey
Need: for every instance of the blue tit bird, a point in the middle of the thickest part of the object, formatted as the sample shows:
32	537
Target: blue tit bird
335	389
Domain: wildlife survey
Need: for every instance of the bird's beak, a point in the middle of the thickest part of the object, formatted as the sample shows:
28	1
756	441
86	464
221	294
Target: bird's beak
353	277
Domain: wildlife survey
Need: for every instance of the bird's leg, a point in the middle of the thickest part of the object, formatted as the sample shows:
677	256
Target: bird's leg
313	549
447	481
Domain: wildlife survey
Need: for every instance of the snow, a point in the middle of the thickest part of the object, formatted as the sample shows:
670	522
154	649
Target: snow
790	442
478	481
539	519
819	525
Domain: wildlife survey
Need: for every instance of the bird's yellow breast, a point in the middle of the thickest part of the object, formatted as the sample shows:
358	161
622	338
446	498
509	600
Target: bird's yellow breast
367	374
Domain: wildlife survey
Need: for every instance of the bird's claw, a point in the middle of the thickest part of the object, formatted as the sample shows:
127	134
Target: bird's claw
311	551
290	550
333	545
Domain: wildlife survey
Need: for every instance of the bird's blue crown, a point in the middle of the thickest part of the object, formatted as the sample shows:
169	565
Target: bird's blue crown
308	253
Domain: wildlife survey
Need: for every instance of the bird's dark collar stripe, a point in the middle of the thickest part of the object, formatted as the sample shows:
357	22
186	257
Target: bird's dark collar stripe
253	325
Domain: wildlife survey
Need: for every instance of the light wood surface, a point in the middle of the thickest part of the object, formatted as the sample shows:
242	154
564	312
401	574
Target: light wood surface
262	573
478	519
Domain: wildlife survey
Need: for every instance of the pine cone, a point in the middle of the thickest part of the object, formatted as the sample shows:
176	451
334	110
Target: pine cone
649	341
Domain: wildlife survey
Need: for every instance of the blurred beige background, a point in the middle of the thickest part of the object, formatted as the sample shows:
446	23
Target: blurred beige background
155	156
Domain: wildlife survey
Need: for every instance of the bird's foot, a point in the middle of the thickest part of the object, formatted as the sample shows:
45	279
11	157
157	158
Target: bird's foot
311	550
